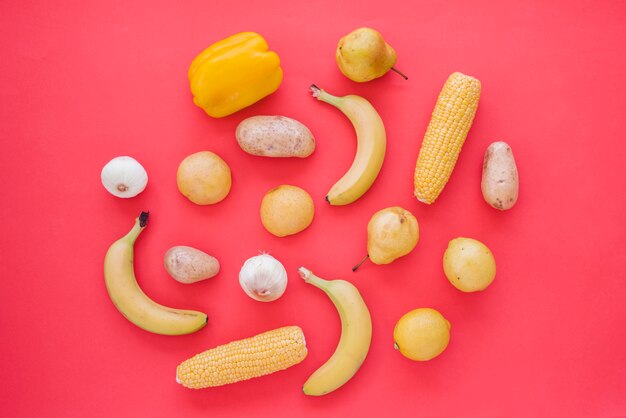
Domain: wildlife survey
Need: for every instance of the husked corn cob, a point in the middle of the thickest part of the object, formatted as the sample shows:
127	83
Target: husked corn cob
450	122
256	356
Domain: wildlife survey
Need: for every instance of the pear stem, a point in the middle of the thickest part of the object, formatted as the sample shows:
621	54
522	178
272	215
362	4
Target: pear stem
400	72
360	262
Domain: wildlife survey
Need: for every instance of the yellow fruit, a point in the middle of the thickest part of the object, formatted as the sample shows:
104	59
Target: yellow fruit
363	55
391	233
370	150
421	334
469	265
286	210
204	178
356	335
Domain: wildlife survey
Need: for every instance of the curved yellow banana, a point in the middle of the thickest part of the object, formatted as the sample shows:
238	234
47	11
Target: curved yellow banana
132	302
371	146
356	335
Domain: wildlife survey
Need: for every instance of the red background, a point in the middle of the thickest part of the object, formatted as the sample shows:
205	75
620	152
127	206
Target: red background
85	81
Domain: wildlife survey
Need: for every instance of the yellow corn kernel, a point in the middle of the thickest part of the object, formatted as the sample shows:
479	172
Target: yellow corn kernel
449	124
256	356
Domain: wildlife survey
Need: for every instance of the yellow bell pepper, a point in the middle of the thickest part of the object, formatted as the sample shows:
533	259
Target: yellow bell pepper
234	73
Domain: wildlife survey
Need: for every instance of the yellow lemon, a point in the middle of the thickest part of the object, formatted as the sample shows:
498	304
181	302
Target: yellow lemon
421	334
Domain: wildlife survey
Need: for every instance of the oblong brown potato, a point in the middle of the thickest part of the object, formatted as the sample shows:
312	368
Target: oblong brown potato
500	181
189	265
275	136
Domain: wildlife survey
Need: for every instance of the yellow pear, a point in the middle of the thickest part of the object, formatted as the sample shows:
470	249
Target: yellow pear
363	55
391	233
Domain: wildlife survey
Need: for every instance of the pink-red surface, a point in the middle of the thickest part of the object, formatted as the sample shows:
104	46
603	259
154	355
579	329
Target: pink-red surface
84	81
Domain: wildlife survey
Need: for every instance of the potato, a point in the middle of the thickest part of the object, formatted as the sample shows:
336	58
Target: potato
275	136
469	265
189	265
286	210
204	178
500	183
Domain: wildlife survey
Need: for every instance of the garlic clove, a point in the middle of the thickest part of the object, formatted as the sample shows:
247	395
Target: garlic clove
263	278
124	177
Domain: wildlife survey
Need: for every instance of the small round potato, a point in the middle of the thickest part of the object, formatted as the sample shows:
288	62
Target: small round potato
275	136
286	210
189	265
204	178
469	265
500	182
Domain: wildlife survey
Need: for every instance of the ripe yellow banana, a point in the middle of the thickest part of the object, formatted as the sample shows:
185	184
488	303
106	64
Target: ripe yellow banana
371	146
356	335
132	302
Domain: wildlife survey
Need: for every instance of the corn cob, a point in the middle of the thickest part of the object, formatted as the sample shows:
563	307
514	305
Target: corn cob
256	356
450	122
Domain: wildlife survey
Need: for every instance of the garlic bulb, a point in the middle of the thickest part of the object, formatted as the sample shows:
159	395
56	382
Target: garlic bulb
124	177
263	278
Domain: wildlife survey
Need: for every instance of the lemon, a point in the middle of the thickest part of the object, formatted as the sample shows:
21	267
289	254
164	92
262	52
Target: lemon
421	334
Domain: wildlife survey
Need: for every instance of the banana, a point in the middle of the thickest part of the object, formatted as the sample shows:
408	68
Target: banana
371	146
356	335
132	302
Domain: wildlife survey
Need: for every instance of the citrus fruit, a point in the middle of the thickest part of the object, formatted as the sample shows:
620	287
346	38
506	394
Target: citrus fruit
421	334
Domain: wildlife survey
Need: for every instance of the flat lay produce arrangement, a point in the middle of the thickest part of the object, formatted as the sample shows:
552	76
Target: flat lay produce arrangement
304	209
235	73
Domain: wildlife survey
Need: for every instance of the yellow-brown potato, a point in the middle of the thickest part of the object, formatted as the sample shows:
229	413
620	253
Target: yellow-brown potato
204	178
189	265
500	182
469	265
275	136
286	210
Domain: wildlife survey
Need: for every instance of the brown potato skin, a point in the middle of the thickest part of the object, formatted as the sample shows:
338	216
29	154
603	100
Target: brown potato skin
500	181
189	265
275	136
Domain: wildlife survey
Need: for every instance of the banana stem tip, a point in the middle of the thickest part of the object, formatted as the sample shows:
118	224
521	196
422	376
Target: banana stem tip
143	219
305	273
316	91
